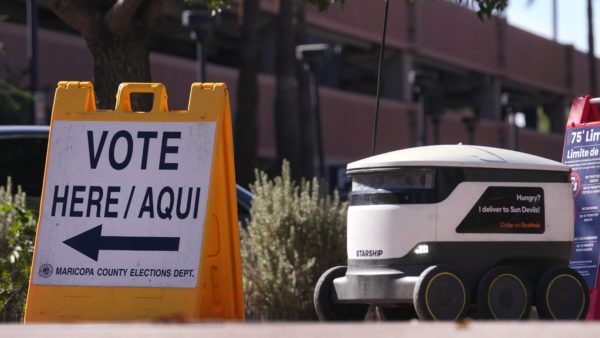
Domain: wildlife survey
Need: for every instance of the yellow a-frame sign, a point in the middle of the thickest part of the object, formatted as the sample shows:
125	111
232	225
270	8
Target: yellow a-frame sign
138	219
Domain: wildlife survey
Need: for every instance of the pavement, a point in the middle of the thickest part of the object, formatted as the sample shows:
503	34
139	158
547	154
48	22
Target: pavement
466	329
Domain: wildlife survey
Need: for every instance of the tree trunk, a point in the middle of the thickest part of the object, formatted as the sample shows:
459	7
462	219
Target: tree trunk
117	34
591	56
117	60
246	121
286	109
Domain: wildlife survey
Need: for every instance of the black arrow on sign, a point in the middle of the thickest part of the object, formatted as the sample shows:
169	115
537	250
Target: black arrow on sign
91	242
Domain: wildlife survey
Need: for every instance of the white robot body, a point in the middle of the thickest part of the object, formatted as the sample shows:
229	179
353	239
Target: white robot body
393	231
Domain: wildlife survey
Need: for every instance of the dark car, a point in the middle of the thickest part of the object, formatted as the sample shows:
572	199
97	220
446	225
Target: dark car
23	157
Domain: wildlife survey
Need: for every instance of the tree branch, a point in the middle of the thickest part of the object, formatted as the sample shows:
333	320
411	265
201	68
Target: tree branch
124	14
119	16
77	14
152	12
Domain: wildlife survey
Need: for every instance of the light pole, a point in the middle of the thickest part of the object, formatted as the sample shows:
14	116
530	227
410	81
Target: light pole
469	118
312	56
199	22
38	111
422	82
516	120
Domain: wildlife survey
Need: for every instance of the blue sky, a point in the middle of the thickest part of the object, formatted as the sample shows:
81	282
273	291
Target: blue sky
572	20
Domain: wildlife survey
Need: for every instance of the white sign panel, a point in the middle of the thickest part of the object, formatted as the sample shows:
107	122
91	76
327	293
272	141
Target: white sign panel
124	204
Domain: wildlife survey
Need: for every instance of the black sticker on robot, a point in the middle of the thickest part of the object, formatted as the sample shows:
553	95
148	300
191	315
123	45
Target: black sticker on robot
513	210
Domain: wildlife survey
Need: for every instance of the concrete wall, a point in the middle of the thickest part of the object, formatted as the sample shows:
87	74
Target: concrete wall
454	35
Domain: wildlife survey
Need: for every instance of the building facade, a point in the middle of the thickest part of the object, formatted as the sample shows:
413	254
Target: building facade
471	75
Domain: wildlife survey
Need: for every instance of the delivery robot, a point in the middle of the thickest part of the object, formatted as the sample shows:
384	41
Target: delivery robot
450	231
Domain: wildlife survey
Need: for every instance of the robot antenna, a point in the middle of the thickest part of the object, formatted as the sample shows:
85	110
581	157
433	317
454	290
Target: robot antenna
379	71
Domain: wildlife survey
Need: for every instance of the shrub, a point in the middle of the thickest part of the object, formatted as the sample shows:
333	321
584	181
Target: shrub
294	234
14	104
17	234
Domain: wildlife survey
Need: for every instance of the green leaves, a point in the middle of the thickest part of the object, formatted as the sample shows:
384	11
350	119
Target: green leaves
486	8
294	234
15	104
17	235
213	5
216	5
324	4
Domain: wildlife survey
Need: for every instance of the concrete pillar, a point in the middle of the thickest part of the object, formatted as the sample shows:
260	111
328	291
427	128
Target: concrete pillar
490	105
395	84
557	111
267	48
530	117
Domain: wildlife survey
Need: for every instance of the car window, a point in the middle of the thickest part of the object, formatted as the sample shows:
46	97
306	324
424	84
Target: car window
23	159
